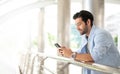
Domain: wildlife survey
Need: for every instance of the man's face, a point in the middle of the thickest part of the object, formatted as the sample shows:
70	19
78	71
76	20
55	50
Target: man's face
81	26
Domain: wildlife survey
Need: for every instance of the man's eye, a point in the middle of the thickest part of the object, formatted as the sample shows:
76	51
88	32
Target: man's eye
78	24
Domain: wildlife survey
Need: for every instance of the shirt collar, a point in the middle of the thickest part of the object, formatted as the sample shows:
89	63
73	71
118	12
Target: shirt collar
92	31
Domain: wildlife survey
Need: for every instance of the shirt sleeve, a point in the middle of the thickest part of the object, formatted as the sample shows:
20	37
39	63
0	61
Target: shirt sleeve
102	43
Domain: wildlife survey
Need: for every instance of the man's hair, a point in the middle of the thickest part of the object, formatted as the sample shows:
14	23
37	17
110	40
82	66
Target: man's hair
85	15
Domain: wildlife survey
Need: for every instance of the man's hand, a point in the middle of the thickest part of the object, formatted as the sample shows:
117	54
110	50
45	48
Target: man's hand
66	52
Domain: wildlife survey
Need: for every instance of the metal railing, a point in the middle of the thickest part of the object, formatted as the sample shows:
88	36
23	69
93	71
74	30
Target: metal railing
89	65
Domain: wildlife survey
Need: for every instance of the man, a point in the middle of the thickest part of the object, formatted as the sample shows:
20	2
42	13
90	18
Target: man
97	44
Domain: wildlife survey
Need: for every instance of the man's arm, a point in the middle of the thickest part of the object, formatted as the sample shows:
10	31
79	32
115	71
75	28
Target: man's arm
84	57
66	52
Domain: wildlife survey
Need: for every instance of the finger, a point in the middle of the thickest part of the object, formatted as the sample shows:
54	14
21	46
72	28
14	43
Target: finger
60	50
61	53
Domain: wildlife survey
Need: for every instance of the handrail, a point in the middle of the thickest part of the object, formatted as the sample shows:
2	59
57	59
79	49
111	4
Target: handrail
92	66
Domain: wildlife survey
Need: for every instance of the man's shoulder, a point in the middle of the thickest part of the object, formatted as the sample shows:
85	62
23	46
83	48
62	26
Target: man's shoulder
96	30
101	30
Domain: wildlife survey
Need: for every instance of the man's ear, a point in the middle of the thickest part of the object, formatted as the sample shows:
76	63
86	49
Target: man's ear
89	22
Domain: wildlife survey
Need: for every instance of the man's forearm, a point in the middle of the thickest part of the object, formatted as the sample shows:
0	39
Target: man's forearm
84	57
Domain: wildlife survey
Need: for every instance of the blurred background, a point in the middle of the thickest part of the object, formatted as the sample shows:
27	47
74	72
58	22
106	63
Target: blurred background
35	25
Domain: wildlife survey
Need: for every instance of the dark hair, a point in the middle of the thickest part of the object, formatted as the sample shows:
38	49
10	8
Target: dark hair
85	15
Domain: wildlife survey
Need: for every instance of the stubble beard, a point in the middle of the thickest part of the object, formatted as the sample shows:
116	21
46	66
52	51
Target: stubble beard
84	31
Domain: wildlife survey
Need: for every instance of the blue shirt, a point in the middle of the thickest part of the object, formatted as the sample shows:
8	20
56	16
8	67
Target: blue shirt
102	49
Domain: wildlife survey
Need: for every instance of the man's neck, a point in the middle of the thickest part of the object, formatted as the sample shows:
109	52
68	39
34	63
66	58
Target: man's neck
89	29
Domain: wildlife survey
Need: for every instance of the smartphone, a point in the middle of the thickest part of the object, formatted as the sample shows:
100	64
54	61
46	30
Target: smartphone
57	45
